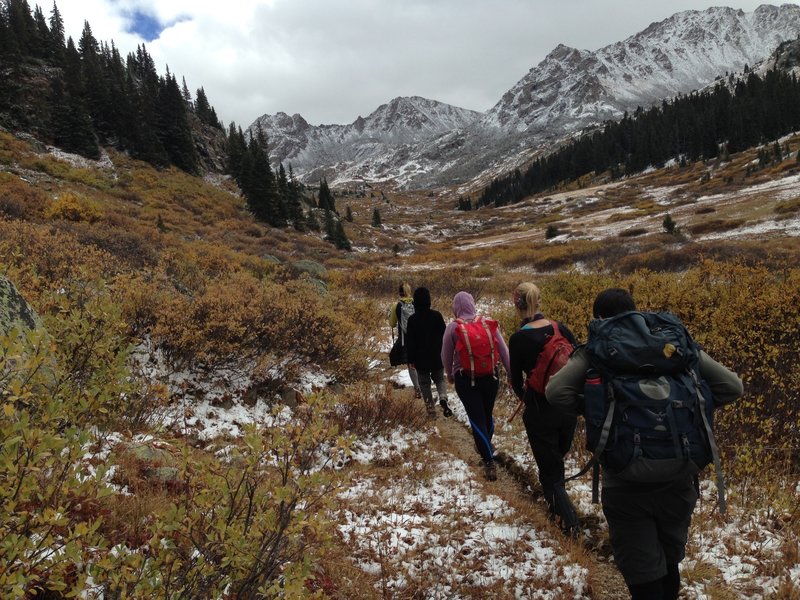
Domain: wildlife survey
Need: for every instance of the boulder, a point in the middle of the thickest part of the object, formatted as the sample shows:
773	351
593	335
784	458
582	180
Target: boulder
14	310
313	268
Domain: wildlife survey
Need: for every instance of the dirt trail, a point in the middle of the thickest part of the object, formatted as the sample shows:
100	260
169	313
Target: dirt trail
513	484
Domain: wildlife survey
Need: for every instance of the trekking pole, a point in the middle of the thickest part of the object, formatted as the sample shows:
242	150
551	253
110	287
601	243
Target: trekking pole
520	405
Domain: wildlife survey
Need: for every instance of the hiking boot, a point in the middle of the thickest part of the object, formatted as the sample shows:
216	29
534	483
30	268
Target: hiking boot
573	531
490	470
431	409
417	394
445	408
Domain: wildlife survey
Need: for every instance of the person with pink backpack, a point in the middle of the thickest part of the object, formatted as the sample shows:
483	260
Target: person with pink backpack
472	347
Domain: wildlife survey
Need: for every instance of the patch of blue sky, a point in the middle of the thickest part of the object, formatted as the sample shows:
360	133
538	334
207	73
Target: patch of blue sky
144	25
148	26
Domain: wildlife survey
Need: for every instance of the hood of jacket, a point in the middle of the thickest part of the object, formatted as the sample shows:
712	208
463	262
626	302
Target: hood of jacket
422	298
464	306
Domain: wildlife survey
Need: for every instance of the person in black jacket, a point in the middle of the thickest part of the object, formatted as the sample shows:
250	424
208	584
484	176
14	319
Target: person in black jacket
550	431
424	346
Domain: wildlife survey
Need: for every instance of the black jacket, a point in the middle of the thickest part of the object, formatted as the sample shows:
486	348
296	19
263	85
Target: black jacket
524	347
424	339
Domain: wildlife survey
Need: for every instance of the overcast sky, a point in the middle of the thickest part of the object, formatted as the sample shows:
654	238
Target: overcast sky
333	60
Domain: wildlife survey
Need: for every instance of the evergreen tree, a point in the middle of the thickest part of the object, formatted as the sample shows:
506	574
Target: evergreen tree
330	226
21	28
258	181
204	111
349	214
311	221
40	35
174	130
236	150
120	114
57	35
71	125
293	203
70	122
334	231
669	225
325	196
376	217
143	87
340	239
282	207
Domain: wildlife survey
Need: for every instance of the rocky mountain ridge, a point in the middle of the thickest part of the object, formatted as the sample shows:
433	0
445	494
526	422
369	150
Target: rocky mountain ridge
423	143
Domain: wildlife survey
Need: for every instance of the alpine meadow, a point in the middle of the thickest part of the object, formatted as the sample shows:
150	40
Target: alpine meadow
195	318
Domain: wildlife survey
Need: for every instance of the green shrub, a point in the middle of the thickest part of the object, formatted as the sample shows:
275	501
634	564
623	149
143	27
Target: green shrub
48	499
252	526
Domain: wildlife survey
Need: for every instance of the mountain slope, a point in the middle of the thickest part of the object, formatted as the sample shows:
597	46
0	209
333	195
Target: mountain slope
405	121
571	88
420	143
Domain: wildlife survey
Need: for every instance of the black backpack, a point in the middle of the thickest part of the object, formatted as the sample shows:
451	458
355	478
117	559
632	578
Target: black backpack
649	415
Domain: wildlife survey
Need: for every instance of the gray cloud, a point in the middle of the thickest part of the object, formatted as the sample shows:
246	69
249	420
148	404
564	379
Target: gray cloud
332	60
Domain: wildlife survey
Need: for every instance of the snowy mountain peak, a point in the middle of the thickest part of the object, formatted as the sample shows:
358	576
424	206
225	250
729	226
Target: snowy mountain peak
570	88
414	113
421	142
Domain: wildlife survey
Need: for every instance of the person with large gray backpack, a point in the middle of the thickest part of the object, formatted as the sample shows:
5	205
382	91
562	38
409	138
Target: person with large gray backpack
398	317
647	392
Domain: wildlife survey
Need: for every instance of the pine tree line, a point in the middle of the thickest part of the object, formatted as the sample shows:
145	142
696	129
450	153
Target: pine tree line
93	97
273	199
733	116
277	199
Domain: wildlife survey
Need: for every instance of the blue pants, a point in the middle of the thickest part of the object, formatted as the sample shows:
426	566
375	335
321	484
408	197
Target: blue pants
478	401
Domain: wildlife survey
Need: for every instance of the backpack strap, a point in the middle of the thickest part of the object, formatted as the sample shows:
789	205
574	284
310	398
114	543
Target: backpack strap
723	505
490	336
397	310
462	327
594	462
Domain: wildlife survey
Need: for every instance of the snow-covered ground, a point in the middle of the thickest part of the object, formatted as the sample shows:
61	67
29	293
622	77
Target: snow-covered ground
434	526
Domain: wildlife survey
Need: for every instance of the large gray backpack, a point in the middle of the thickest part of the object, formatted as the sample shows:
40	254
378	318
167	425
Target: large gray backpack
404	311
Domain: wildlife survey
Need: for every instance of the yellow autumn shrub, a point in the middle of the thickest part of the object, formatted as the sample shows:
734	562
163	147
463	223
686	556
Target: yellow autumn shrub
72	207
241	317
745	316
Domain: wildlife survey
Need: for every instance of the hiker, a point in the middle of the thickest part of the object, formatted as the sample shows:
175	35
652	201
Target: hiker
424	347
471	348
398	317
550	431
648	519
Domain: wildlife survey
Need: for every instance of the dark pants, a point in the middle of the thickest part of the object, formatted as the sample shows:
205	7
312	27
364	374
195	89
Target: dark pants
648	528
550	434
478	401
